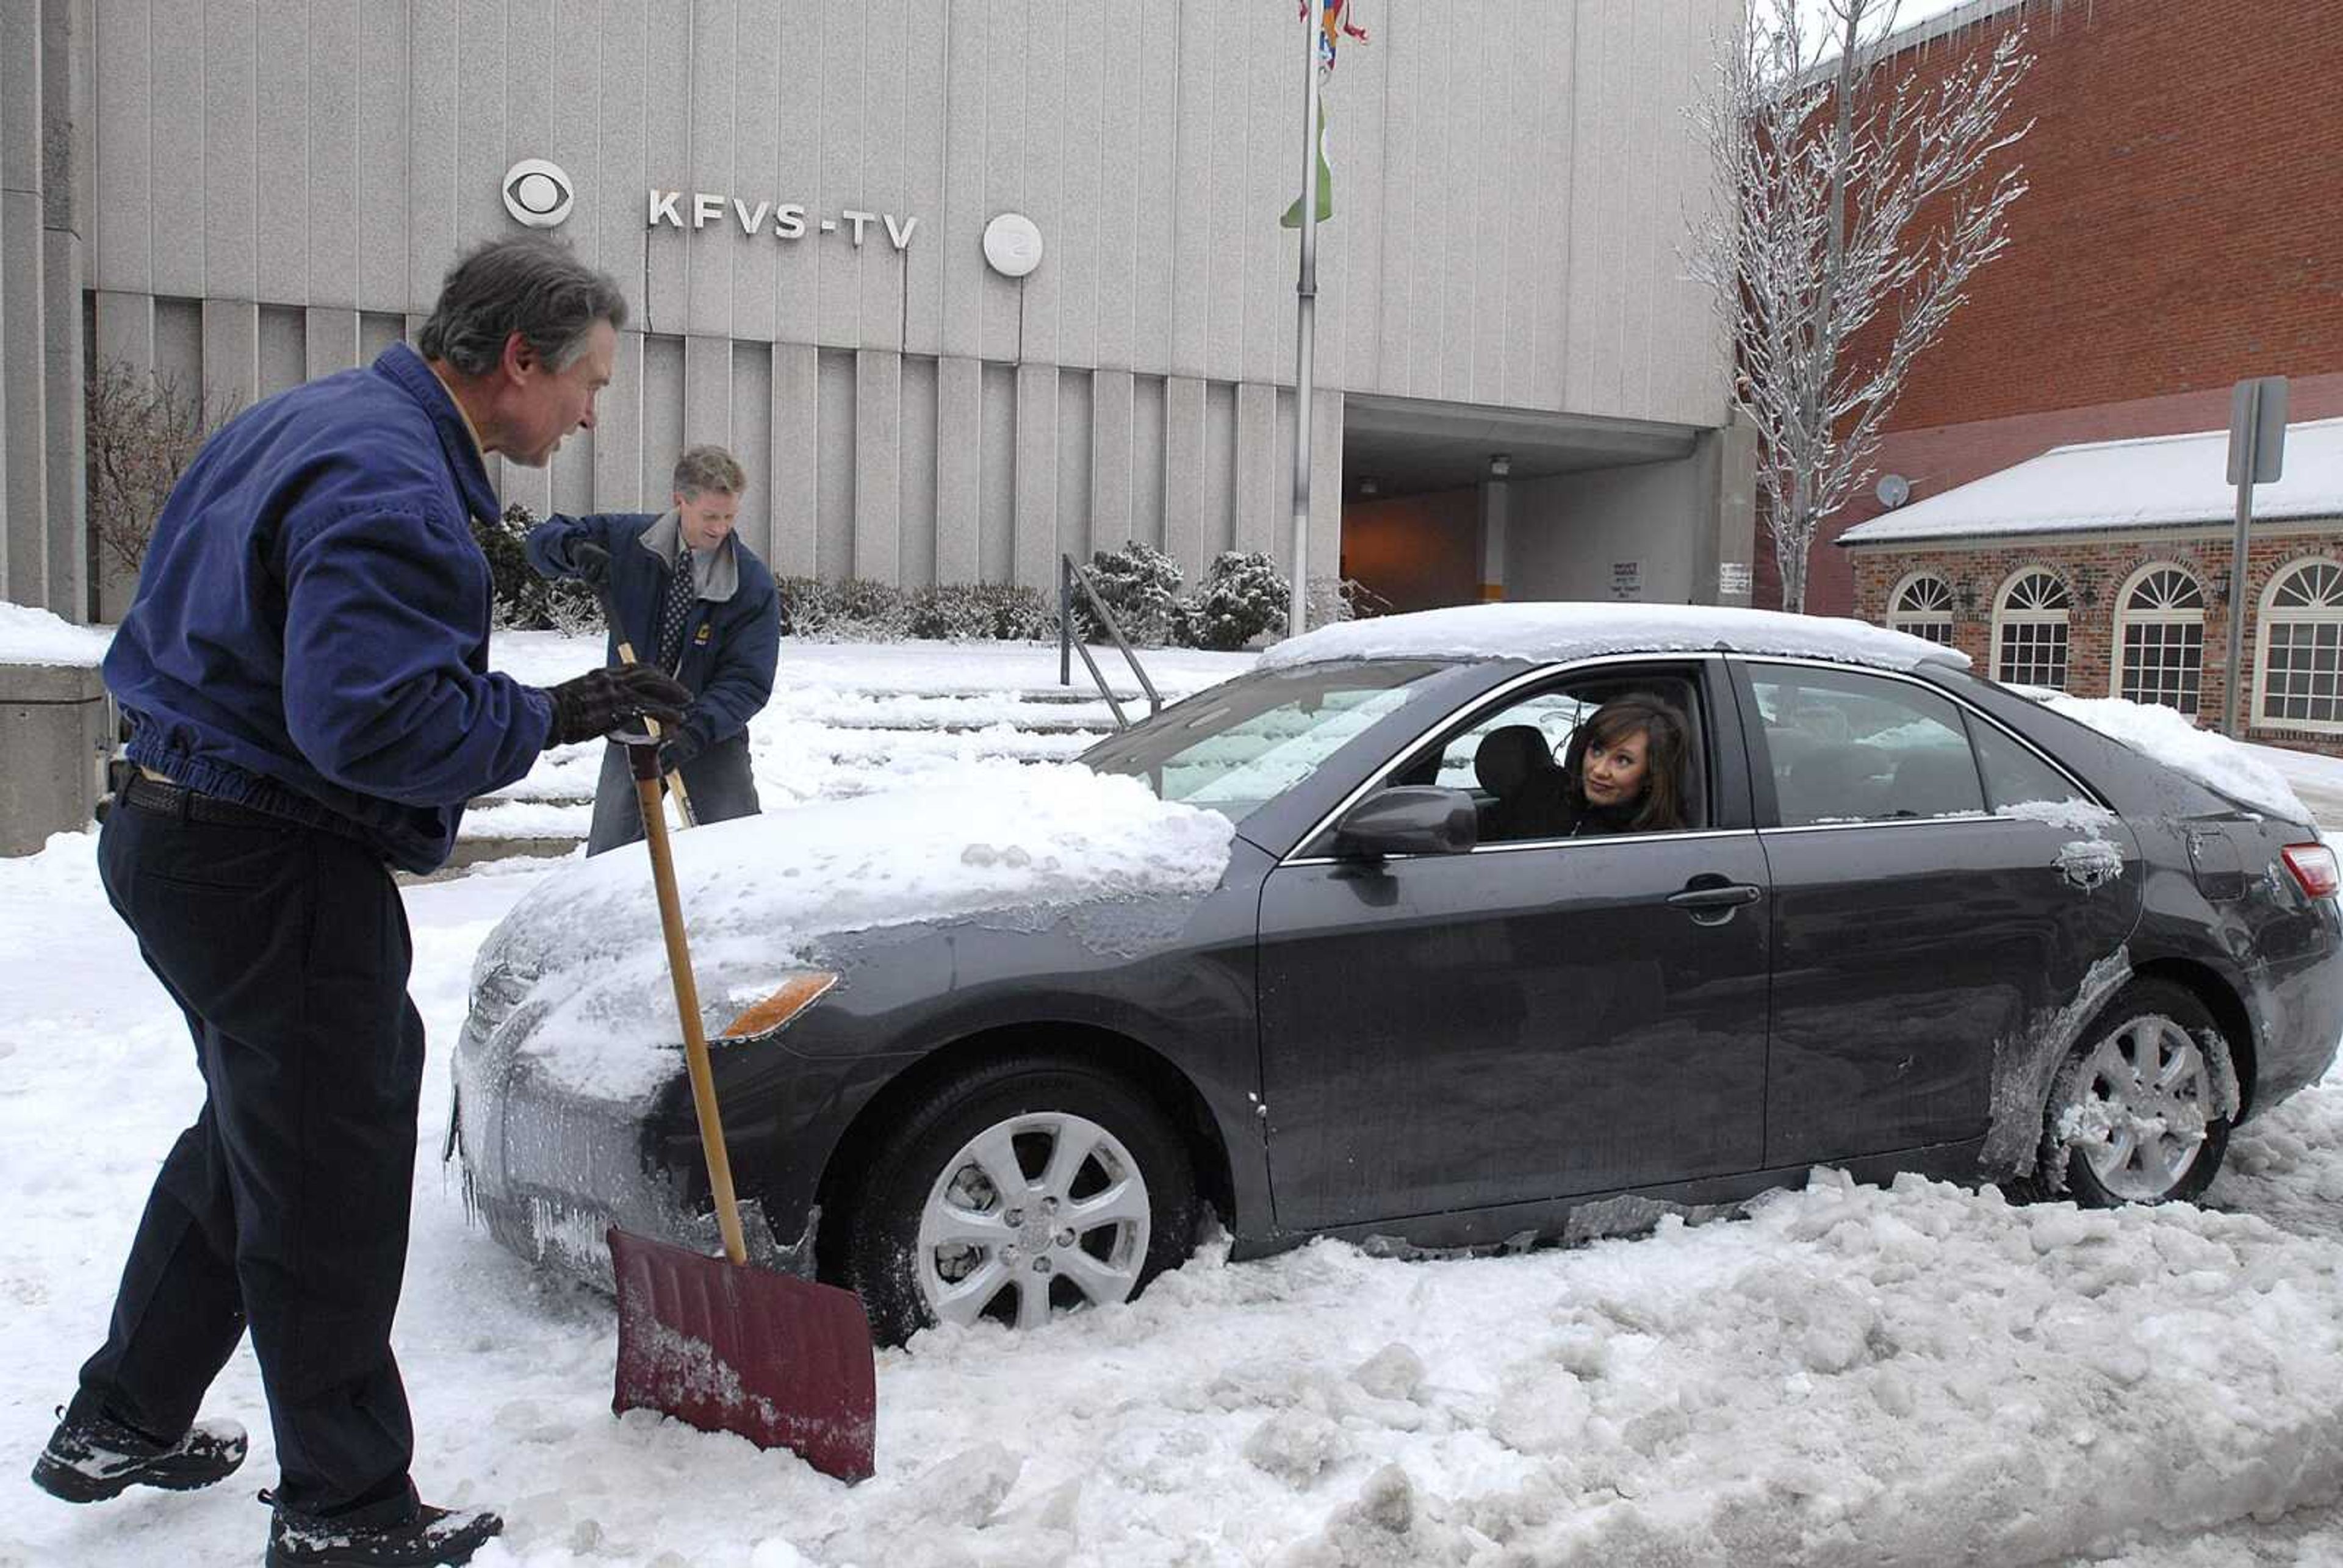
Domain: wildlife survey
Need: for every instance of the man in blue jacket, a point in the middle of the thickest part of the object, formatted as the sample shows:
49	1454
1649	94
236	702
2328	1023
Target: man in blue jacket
305	669
693	599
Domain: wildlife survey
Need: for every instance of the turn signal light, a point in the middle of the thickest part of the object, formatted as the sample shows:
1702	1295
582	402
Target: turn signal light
2313	865
797	993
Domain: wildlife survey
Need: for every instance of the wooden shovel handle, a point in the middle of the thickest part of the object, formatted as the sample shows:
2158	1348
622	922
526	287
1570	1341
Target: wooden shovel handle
644	759
674	781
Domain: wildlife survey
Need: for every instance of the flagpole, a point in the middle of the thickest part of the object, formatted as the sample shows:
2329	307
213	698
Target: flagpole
1305	306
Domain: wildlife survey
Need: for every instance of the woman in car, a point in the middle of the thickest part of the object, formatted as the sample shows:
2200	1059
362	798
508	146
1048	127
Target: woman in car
1625	770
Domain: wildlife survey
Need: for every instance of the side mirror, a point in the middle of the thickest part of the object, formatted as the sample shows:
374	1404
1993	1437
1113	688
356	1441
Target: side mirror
1409	820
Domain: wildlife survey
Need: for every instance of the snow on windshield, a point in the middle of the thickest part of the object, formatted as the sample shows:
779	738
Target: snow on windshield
981	837
1579	631
2166	734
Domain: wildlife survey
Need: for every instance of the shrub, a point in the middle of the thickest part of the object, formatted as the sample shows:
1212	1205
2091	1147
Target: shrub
1243	596
856	609
523	600
142	428
1141	587
961	612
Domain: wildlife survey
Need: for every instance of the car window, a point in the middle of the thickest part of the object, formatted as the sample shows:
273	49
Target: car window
1555	713
1236	746
2015	776
1850	748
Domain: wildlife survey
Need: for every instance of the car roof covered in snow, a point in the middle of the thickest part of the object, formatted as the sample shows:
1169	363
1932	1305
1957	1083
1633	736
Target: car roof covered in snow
1571	629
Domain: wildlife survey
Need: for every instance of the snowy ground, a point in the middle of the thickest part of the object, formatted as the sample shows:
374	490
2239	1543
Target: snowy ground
1850	1376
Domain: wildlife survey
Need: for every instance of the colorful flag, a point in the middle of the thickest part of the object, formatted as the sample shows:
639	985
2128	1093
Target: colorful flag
1334	27
1293	218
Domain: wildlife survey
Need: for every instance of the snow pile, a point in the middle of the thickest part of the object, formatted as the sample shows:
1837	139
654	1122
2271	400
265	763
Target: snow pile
29	636
2167	735
758	892
1579	630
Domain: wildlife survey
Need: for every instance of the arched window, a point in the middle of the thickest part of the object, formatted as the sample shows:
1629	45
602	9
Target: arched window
1923	606
2029	631
2302	648
2160	638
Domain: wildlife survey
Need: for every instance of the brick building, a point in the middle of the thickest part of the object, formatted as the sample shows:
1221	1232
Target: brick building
2104	569
2179	234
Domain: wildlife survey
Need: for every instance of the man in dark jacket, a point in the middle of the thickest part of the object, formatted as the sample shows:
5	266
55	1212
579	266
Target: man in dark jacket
305	669
693	599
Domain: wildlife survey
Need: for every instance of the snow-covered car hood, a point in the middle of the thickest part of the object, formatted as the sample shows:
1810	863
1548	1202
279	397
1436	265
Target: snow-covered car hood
580	969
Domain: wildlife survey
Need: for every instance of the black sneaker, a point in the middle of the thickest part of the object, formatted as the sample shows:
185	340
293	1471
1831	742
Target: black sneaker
91	1457
432	1537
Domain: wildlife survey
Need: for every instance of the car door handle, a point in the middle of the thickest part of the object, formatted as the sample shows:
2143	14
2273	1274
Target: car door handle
1730	896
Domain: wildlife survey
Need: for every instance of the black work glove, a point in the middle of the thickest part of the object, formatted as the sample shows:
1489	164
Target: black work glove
679	748
602	700
591	562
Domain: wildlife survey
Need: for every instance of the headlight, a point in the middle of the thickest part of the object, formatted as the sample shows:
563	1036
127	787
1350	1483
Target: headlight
769	1016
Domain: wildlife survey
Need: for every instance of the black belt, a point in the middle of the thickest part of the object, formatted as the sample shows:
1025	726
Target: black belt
172	800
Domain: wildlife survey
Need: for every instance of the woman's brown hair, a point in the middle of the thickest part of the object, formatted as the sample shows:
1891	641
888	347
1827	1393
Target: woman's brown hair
1666	738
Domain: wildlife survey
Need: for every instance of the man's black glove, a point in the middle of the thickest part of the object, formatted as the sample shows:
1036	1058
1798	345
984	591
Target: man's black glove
591	562
679	748
602	700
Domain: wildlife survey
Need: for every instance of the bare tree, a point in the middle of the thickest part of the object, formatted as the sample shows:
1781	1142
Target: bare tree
144	429
1843	197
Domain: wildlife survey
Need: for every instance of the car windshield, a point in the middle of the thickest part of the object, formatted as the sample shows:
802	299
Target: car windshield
1236	746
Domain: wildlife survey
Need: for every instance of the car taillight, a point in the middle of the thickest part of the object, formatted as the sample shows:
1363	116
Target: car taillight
2313	865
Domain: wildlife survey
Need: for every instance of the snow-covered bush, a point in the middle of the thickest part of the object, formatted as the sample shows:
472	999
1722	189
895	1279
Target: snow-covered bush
1243	596
856	609
523	600
1141	587
965	612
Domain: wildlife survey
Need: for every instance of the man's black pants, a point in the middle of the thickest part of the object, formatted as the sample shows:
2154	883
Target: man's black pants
284	1209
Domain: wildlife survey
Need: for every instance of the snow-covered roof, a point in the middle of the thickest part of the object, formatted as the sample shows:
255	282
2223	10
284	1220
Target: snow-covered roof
1572	629
2153	481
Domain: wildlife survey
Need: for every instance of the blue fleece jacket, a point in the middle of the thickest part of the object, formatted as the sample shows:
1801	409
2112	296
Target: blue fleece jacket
310	634
730	643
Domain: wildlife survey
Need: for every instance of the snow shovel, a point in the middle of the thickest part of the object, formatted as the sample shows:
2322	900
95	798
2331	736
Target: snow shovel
720	1343
626	656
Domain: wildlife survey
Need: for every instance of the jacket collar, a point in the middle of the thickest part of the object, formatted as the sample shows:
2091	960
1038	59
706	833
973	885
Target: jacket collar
406	370
716	574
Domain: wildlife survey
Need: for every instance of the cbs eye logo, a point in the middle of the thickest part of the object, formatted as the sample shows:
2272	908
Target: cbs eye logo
538	192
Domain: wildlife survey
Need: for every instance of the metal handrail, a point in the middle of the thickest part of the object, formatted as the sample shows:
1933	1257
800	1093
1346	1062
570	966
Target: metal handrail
1071	576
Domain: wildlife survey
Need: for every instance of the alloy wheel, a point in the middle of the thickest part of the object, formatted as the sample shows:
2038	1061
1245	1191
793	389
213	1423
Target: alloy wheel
2141	1109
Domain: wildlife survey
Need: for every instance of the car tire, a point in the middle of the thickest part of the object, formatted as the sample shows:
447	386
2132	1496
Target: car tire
941	1231
2142	1065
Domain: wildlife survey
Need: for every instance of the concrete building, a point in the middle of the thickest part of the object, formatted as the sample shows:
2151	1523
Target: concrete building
1520	392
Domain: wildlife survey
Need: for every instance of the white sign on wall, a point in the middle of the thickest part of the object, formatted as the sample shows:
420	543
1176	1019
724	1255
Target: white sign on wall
1732	578
1626	579
782	220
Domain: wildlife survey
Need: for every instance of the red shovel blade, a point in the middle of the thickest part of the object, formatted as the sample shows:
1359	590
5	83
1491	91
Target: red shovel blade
731	1347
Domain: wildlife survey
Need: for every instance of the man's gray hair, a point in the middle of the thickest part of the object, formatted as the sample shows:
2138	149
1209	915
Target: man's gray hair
526	284
709	468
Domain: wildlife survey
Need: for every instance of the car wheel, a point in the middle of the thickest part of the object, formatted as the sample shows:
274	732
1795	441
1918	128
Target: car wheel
1027	1188
2134	1115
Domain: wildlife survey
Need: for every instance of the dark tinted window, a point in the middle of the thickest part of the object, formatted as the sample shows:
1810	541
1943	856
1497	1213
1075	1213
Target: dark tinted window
2014	775
1846	747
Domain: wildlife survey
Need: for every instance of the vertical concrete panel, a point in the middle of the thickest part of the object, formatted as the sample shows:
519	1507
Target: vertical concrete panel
125	256
179	342
965	208
1553	223
626	172
709	108
231	89
668	154
663	414
1006	157
796	263
174	149
1147	460
281	153
916	475
960	470
1044	181
1035	558
1220	473
1076	535
752	441
1111	458
997	482
67	585
845	138
1326	486
833	549
329	203
329	340
22	463
878	464
756	138
1155	182
707	392
284	351
1583	365
1498	161
1262	503
882	187
1642	269
377	330
1127	74
382	169
516	485
1448	323
1272	120
618	430
1234	98
573	77
1400	43
1184	480
231	351
927	116
795	457
125	330
434	51
483	81
571	478
1087	159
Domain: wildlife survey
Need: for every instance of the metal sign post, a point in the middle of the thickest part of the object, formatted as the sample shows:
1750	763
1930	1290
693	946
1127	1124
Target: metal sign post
1305	291
2257	456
